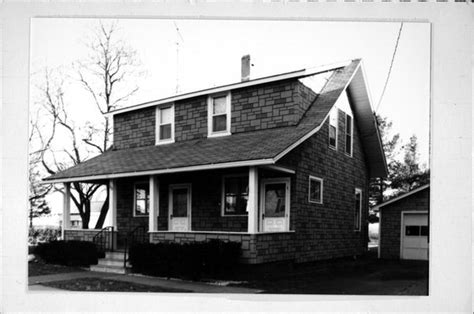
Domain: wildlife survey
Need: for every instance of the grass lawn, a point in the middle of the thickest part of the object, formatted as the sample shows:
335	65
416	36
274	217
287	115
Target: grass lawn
360	277
38	268
103	284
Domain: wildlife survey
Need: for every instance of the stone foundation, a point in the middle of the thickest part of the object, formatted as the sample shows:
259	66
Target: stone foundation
84	235
256	248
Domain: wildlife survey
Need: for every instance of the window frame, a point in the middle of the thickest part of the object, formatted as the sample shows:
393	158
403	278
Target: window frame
321	180
135	199
352	135
223	214
210	115
358	190
335	111
158	124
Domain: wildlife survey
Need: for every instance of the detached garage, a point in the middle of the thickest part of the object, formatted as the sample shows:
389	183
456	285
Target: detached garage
404	226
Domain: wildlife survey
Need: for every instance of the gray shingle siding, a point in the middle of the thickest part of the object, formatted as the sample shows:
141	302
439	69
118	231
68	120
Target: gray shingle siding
266	106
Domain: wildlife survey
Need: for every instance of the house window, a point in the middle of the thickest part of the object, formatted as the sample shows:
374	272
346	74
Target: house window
315	190
235	195
357	209
141	199
348	131
219	115
333	128
165	124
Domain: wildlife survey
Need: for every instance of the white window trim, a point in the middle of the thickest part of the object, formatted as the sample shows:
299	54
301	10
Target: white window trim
337	128
223	214
210	98
263	183
157	124
358	190
135	198
170	201
352	135
309	189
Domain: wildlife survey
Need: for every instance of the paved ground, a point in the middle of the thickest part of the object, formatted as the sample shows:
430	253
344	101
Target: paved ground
35	283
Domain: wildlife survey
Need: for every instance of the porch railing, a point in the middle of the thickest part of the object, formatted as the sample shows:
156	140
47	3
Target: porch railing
104	240
137	235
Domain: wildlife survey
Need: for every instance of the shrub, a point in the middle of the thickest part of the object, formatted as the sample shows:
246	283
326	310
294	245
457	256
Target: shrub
189	260
36	236
73	253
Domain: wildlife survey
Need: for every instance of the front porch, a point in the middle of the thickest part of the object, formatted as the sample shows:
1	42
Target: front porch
249	205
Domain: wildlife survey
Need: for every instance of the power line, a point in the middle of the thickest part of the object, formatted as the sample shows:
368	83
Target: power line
390	68
177	55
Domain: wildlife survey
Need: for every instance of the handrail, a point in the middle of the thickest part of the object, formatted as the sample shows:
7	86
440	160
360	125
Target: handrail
104	239
137	235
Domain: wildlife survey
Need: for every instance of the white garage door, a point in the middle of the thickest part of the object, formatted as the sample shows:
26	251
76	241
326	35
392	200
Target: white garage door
414	238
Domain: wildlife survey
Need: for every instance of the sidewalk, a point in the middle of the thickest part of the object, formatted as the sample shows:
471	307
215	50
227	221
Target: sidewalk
197	287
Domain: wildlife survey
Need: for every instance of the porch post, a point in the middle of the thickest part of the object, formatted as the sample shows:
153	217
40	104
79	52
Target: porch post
66	208
113	202
252	204
154	204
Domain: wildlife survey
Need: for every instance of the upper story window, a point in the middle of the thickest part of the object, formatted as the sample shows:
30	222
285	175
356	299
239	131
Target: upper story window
235	194
219	115
349	127
141	204
333	128
357	209
315	190
165	124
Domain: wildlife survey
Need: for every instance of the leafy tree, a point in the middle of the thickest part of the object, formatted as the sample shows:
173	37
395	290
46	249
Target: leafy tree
409	175
403	175
390	145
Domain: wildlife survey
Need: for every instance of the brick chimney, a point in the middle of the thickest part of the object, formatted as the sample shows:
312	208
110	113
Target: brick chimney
245	70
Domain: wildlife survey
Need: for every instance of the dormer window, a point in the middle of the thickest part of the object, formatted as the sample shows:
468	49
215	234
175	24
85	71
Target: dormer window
219	115
165	124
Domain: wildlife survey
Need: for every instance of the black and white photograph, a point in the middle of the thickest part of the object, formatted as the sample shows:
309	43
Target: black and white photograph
229	156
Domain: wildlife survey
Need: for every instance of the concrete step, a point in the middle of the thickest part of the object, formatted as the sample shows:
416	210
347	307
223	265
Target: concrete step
114	255
111	262
109	269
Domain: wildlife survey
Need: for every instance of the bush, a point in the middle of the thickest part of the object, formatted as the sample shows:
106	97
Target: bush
71	253
36	236
190	260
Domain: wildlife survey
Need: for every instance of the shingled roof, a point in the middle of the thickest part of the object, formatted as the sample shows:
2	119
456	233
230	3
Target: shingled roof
262	147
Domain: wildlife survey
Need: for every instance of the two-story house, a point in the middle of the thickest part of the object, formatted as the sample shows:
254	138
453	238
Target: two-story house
279	163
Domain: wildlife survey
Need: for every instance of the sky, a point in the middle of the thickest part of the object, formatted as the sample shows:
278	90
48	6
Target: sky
210	52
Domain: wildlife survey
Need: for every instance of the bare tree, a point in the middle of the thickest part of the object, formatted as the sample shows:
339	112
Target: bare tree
103	75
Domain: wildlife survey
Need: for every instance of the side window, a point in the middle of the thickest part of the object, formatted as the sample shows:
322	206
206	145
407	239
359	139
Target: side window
165	124
315	190
333	128
219	115
348	131
141	199
235	194
357	209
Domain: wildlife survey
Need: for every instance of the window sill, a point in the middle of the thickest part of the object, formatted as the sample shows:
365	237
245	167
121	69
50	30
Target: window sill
243	215
162	142
219	134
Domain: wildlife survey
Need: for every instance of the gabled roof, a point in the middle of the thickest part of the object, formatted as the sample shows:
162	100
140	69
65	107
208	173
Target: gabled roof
400	197
263	147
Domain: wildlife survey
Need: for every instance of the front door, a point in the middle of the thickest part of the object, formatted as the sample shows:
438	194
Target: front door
180	207
275	204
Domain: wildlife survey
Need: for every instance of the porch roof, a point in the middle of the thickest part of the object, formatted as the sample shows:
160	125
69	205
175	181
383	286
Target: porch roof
263	147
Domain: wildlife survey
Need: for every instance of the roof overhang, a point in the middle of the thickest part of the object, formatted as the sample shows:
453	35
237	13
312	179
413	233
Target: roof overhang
367	123
267	163
223	88
395	199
